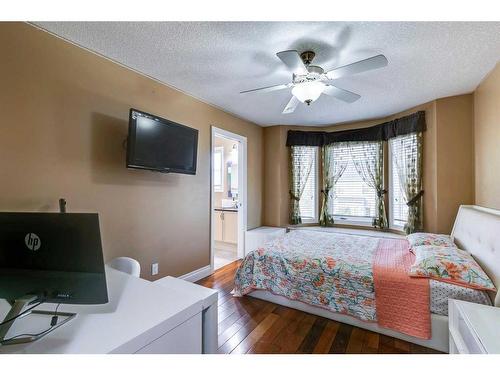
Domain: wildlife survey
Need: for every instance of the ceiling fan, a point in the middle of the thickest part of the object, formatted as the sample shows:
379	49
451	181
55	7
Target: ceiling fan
310	81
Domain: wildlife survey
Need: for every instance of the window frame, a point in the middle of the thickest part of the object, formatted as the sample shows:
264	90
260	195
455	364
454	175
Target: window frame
361	221
315	218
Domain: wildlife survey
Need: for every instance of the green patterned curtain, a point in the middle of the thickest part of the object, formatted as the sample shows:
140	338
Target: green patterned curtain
369	163
301	161
408	161
333	168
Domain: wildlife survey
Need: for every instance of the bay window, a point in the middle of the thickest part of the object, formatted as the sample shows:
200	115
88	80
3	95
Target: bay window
353	175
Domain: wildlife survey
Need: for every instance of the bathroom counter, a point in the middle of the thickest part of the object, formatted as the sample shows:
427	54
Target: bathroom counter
226	209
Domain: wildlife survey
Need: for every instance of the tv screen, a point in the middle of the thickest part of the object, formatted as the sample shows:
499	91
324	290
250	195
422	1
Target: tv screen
160	145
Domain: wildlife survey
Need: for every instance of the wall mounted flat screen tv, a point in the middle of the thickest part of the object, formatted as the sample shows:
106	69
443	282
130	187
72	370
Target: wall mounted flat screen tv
160	145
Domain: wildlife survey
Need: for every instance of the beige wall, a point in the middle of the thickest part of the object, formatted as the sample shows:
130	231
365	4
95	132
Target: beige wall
487	140
455	155
447	144
64	120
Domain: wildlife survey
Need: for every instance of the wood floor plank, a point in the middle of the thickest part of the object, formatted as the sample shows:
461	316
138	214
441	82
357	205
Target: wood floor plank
250	325
370	344
222	300
355	345
292	319
417	349
296	335
403	346
254	336
242	306
267	342
312	337
245	330
341	341
386	345
231	330
325	341
260	348
229	321
223	314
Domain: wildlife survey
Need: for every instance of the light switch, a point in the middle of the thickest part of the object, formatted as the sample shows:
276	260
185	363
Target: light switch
154	269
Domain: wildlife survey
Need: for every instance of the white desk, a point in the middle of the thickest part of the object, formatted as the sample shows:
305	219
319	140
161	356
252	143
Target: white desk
140	317
209	300
474	328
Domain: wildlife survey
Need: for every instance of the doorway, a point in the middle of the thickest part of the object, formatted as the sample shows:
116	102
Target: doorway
228	197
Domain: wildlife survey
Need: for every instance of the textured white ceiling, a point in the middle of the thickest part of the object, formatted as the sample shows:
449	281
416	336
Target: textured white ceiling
214	61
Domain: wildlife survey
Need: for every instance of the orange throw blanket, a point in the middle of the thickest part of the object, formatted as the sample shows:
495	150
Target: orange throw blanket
403	302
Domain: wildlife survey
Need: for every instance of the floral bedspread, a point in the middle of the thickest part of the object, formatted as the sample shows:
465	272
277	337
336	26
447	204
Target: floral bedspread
328	270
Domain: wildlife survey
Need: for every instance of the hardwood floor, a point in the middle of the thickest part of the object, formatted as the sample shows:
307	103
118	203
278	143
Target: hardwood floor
250	325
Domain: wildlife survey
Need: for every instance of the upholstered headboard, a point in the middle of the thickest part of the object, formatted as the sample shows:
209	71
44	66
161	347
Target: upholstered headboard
477	230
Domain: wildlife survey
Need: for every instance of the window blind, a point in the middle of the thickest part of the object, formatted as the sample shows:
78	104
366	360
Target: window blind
352	197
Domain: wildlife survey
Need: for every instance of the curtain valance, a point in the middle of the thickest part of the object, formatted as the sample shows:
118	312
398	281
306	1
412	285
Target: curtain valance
414	123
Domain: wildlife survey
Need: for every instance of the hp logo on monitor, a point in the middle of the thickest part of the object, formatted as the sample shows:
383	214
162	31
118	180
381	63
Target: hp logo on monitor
32	241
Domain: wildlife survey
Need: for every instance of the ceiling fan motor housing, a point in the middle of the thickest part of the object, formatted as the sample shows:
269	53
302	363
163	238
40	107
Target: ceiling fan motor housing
307	57
314	73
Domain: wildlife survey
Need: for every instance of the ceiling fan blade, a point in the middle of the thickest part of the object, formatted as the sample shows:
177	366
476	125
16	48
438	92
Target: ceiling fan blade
370	63
341	94
267	88
292	104
293	61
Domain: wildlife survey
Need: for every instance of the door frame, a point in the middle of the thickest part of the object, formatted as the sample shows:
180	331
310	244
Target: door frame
242	189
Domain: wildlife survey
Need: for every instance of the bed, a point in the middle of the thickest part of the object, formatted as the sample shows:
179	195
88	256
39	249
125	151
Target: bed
475	230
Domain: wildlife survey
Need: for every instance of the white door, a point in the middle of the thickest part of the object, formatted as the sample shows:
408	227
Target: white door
238	220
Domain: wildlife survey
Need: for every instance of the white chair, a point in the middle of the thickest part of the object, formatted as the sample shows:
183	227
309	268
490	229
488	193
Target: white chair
127	265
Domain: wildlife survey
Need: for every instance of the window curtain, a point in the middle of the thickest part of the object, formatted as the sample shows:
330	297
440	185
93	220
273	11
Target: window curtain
409	169
369	164
414	123
301	165
333	168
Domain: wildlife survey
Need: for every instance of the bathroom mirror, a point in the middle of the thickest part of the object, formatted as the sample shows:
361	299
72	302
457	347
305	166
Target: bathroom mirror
232	180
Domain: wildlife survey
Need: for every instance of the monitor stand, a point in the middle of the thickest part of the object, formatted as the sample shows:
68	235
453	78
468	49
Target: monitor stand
16	309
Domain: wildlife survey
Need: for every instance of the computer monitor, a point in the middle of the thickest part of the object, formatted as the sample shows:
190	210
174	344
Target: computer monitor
56	257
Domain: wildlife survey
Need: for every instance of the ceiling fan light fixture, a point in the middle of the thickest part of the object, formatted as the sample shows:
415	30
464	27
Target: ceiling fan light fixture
308	92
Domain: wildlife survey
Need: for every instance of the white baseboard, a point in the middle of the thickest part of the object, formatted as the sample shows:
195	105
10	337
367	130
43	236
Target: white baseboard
197	274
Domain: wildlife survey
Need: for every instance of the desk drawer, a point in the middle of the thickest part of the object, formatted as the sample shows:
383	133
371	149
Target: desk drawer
183	339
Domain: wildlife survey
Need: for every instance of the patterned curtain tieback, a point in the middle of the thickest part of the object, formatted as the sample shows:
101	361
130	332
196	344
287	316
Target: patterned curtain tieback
414	200
294	197
380	193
